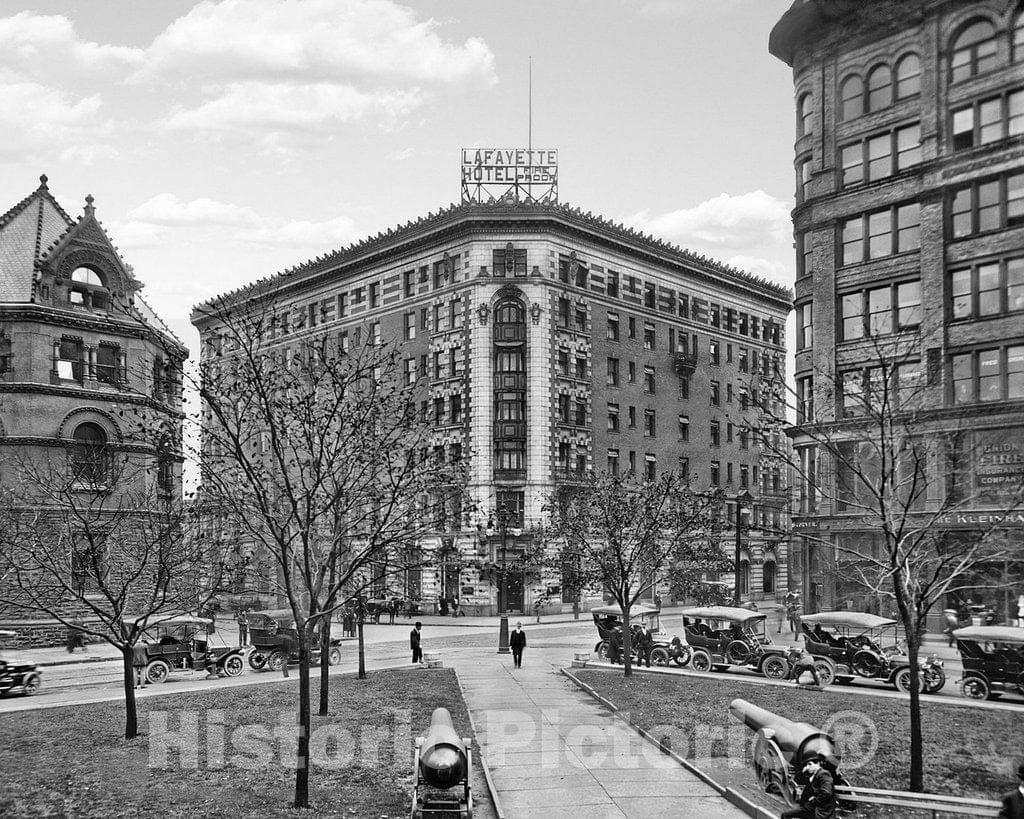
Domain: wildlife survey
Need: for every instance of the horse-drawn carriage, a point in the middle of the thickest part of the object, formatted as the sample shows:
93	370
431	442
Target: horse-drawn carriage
851	644
275	641
724	636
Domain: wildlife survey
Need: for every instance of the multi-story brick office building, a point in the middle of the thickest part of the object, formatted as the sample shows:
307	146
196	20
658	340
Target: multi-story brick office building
550	343
909	229
78	347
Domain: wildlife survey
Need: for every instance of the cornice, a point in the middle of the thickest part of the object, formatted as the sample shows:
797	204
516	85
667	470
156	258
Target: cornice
56	317
83	394
61	443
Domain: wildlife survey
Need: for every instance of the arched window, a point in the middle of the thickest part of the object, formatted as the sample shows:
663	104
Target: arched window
974	50
908	76
1018	37
88	289
86	275
768	577
805	109
851	95
89	453
879	88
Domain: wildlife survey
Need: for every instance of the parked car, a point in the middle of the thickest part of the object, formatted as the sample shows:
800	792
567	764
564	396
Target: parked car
275	641
182	643
993	658
18	677
665	647
851	644
725	636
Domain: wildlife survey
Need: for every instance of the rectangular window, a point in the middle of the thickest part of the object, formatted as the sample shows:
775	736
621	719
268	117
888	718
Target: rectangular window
581	413
852	397
853	240
853	316
649	426
410	371
581	319
563	408
563	363
908	146
879	156
408	282
716	394
908	304
632	327
649	336
581	368
984	206
684	468
612	284
613	372
649	296
410	326
716	474
632	372
107	361
962	372
69	359
650	467
631	416
804	331
649	380
613	417
613	462
716	434
988	120
880	311
374	294
613	326
684	428
715	351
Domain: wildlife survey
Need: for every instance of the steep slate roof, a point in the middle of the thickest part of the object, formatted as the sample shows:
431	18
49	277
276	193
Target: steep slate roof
26	231
468	211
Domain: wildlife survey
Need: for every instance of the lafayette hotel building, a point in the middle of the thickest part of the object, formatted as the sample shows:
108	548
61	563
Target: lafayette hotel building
550	343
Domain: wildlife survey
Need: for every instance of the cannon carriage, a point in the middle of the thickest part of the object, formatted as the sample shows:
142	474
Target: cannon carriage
665	648
849	644
724	636
441	769
275	641
993	659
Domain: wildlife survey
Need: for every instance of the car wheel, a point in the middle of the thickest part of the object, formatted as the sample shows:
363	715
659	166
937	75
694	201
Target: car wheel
334	656
775	668
257	661
276	661
975	688
233	665
826	671
601	649
32	685
934	679
682	659
659	656
700	661
738	652
902	681
157	671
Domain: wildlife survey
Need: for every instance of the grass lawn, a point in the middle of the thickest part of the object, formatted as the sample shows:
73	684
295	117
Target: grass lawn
968	751
74	761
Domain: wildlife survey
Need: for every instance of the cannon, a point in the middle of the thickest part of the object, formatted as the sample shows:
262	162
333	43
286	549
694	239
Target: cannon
441	769
783	747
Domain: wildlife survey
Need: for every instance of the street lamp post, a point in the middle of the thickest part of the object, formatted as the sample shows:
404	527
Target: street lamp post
742	499
503	588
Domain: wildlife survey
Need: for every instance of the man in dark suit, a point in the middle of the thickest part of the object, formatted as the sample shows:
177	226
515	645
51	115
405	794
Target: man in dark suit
414	643
1013	802
517	642
644	643
818	800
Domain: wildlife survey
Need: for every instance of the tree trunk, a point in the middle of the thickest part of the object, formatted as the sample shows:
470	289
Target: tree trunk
131	711
362	655
302	754
325	648
627	643
916	740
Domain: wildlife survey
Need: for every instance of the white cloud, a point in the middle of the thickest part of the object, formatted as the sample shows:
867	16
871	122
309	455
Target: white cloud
38	121
401	155
41	45
282	107
167	209
312	236
314	40
776	271
724	222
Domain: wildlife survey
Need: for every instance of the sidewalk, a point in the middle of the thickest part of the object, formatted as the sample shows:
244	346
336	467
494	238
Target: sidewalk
553	750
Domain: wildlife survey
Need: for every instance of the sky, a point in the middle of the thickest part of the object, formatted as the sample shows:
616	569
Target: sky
227	140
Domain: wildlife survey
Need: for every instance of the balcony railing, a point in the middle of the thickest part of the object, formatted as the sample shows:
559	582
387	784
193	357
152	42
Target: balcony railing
684	363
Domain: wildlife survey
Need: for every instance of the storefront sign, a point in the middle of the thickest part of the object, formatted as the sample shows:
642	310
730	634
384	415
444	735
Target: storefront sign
999	468
499	173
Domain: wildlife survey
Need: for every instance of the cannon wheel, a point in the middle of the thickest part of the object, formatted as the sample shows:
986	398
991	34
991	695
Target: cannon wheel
682	659
701	660
775	667
157	671
975	688
659	656
257	660
772	770
276	661
826	670
233	665
934	679
738	652
901	680
31	685
334	656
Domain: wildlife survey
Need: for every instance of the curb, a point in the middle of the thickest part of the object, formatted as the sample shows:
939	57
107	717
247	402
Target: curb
732	796
483	762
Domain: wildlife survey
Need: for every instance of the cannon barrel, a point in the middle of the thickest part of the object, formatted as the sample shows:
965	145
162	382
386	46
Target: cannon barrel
798	741
443	758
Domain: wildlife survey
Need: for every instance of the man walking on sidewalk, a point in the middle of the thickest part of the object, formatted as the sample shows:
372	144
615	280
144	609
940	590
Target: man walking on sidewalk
517	642
414	643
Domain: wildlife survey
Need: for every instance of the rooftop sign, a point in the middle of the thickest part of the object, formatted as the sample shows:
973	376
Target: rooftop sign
518	175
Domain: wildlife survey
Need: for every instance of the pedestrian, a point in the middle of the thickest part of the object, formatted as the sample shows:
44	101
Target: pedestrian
455	607
644	643
517	642
818	800
949	615
348	625
414	643
290	647
805	663
793	615
140	659
243	628
615	645
444	606
1013	802
76	635
392	611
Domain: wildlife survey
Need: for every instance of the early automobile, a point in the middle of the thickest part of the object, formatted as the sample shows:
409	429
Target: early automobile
182	642
724	636
665	648
993	658
17	677
275	641
851	644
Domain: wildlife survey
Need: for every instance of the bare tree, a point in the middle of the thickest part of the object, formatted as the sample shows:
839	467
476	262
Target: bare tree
313	450
877	446
621	533
101	538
